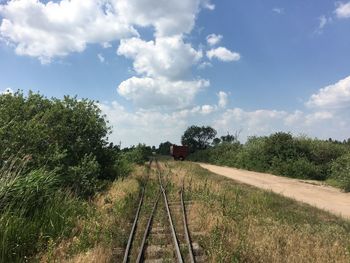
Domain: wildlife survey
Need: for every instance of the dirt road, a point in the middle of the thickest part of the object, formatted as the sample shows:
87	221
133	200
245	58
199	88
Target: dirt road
323	197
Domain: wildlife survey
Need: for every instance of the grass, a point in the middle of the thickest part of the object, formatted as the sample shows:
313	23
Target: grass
102	233
245	224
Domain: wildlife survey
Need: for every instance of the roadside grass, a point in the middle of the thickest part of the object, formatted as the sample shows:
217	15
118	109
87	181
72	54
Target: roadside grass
245	224
100	235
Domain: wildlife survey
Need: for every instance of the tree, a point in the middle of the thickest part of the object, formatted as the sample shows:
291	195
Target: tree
228	138
216	141
198	138
164	148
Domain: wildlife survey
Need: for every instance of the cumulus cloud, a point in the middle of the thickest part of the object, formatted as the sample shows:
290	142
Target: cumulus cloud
343	10
335	96
128	126
56	28
223	54
165	69
168	57
223	99
213	39
167	17
146	92
322	124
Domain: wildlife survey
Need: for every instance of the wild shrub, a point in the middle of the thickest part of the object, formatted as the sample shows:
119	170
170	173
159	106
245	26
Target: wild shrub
139	154
341	171
281	154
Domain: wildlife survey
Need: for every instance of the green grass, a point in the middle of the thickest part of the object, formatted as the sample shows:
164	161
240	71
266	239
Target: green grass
23	235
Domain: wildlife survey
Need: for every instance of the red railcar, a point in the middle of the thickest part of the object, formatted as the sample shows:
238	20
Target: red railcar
179	152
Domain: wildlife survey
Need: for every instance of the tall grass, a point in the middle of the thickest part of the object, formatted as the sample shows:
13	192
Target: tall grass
33	210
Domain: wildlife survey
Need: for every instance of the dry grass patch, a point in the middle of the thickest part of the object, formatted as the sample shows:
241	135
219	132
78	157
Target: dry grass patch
245	224
103	232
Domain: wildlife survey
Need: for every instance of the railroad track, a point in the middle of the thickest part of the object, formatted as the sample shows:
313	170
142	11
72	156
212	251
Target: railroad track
160	233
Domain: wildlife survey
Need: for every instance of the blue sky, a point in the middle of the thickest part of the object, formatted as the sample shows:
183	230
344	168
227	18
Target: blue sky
268	65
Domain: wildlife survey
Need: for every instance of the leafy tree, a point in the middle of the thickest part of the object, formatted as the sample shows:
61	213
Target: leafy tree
164	148
229	138
198	138
216	141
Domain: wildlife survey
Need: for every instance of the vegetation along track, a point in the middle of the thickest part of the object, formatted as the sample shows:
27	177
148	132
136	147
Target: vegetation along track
160	230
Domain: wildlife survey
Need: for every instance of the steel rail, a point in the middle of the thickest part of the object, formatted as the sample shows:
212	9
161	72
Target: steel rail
173	233
139	257
131	236
187	235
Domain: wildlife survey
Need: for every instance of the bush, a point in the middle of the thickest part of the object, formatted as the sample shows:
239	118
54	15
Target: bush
139	154
341	171
82	178
299	168
281	154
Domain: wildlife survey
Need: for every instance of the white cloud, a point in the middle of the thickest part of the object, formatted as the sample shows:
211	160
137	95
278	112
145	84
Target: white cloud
223	99
278	10
336	96
149	127
167	57
322	124
165	69
56	29
101	58
207	109
7	91
169	18
213	39
223	54
343	10
106	45
204	65
323	22
159	92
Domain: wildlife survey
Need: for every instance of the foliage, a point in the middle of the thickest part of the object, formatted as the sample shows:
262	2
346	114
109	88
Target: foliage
341	171
198	138
53	155
281	154
164	148
139	154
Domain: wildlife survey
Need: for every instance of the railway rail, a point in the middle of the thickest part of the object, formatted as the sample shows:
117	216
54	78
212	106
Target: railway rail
160	225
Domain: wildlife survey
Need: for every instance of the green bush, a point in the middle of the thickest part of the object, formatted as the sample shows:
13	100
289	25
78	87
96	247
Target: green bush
281	154
299	168
253	156
139	154
341	171
82	178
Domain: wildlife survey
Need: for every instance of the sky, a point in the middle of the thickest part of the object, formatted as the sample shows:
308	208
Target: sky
158	66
